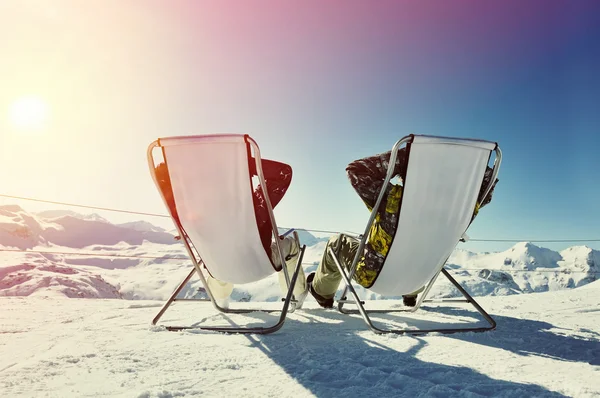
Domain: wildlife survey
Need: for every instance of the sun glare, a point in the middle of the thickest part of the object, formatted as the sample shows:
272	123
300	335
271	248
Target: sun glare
29	114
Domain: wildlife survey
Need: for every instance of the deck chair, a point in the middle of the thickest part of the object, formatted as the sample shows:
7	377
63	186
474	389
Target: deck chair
214	214
441	187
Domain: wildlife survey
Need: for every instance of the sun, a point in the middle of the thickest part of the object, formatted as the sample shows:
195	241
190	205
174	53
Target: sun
29	114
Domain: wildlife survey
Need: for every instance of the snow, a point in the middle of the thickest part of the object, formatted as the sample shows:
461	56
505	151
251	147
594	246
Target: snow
306	237
64	213
546	304
23	230
158	262
546	269
143	226
546	344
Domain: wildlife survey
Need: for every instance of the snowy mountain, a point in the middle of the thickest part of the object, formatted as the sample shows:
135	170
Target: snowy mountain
528	268
306	238
141	261
23	230
142	226
63	213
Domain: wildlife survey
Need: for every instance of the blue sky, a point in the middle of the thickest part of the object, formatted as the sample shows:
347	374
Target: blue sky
317	86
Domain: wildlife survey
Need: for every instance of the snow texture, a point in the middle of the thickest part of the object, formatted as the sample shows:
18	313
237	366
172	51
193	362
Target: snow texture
546	345
546	304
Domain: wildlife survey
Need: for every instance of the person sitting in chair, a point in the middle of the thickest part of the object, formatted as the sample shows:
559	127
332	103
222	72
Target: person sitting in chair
367	176
278	177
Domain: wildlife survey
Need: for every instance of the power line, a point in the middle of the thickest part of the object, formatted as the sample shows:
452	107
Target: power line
86	254
85	207
562	271
136	212
298	229
535	240
318	230
93	254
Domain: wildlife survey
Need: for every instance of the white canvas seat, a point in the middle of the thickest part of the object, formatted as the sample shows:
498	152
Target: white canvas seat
211	189
443	180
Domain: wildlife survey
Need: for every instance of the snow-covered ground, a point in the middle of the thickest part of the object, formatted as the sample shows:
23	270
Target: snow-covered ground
546	344
546	304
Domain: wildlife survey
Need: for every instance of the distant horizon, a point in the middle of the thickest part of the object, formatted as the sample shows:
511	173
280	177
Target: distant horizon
167	224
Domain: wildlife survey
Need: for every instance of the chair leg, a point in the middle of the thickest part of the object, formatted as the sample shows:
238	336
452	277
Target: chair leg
471	300
377	330
173	296
245	330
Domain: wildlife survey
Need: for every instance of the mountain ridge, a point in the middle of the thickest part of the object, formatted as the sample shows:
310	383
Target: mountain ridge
137	260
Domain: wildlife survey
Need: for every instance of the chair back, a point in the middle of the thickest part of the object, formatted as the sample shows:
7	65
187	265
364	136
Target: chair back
443	180
212	191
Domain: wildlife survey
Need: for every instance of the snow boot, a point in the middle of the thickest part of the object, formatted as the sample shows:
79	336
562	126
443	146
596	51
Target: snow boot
323	302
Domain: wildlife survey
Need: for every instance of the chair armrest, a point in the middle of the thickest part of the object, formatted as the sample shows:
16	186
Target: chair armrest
286	233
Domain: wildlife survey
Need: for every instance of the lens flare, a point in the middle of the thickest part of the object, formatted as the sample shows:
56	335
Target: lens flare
29	114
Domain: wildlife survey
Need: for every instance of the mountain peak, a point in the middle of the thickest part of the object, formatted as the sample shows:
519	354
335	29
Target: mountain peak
11	208
71	229
524	246
581	257
52	214
526	255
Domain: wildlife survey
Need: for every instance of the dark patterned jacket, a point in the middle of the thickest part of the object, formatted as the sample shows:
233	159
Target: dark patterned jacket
367	176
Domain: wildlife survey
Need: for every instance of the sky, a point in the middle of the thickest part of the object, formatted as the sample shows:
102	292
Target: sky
317	85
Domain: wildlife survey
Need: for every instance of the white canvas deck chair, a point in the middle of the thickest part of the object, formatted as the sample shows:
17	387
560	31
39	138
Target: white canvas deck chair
440	190
215	217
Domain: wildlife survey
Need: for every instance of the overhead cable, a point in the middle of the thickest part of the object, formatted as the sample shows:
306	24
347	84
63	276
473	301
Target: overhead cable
298	229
